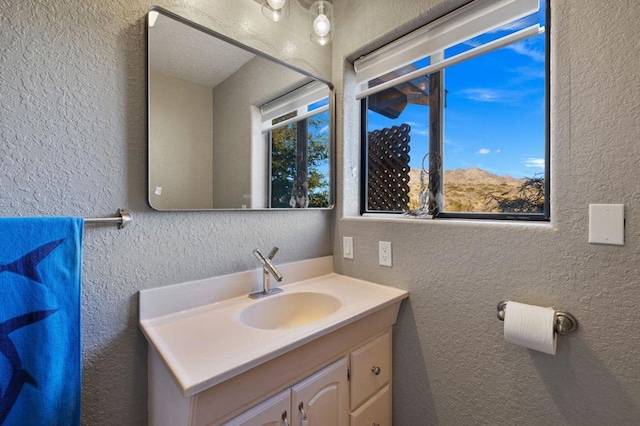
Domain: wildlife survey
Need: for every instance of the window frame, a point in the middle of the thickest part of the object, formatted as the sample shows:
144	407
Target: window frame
545	216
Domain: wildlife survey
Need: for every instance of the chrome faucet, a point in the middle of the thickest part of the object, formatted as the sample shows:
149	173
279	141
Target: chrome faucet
268	269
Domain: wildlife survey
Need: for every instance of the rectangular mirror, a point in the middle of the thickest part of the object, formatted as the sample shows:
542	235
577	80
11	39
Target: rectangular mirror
230	127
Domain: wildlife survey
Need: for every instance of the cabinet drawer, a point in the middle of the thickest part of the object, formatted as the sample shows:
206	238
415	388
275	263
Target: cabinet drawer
370	369
376	411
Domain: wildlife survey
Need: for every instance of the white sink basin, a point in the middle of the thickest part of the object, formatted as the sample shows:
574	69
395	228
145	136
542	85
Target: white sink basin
203	345
289	310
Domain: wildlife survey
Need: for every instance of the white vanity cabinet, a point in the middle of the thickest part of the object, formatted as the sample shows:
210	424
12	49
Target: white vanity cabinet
321	398
355	390
341	379
210	366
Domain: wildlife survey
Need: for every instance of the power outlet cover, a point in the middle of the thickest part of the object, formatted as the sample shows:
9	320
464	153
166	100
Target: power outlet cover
384	253
606	224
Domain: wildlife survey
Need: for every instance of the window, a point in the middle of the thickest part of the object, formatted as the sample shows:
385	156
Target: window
454	116
297	126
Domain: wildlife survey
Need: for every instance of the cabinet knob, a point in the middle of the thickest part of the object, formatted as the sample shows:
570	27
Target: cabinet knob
285	421
375	370
375	424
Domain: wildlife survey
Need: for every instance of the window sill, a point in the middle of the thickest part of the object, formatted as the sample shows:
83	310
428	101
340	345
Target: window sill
388	218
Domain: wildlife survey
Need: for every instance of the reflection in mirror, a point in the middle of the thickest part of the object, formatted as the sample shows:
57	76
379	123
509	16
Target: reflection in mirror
230	128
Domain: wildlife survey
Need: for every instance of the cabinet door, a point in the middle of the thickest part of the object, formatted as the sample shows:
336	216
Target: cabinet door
272	412
323	398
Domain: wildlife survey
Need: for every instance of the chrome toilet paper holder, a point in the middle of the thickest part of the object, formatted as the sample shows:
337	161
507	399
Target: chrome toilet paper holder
565	322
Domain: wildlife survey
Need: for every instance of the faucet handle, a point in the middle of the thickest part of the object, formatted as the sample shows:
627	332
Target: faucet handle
259	255
272	253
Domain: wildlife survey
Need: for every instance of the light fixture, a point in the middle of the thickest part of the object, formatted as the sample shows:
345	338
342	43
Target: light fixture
276	10
322	22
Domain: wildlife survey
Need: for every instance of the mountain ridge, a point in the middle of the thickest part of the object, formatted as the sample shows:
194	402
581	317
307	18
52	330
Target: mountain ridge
471	176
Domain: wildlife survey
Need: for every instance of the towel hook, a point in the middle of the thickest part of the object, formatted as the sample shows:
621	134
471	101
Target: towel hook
565	322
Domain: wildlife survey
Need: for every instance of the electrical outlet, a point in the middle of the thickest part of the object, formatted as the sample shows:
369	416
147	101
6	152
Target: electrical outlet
384	253
347	247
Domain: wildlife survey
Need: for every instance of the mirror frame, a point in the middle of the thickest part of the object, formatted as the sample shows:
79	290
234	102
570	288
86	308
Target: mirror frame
332	115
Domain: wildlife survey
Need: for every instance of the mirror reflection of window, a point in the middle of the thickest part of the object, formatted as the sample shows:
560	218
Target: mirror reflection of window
297	125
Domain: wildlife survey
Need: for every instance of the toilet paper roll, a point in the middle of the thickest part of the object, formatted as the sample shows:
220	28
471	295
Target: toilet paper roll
530	326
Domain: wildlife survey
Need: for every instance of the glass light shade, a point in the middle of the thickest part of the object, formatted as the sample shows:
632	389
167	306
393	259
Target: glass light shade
276	4
321	22
276	10
321	25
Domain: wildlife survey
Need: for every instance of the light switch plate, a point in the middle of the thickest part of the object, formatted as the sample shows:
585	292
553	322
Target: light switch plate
606	224
347	247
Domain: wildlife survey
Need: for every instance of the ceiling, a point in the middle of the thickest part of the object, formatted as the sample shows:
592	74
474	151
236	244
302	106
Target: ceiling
183	52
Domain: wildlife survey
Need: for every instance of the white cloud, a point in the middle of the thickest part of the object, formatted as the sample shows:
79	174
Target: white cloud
529	73
484	151
418	128
515	97
473	43
534	163
523	49
483	95
519	24
453	147
498	151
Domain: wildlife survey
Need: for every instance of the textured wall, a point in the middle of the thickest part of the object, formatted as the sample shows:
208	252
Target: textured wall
181	155
73	142
452	366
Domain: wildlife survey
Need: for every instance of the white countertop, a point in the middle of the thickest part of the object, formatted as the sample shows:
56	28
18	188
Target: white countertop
207	345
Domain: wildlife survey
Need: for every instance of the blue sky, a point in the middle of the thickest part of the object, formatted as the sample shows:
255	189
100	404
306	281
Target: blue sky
495	114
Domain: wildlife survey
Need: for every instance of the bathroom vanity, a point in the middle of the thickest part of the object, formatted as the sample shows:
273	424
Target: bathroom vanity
319	351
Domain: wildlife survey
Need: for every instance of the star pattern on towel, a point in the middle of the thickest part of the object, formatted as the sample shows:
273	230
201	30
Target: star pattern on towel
19	376
27	265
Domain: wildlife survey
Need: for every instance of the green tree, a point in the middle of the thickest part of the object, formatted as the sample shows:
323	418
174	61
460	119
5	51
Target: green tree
284	162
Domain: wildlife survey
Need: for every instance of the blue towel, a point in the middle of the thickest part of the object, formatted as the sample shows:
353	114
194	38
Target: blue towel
40	346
